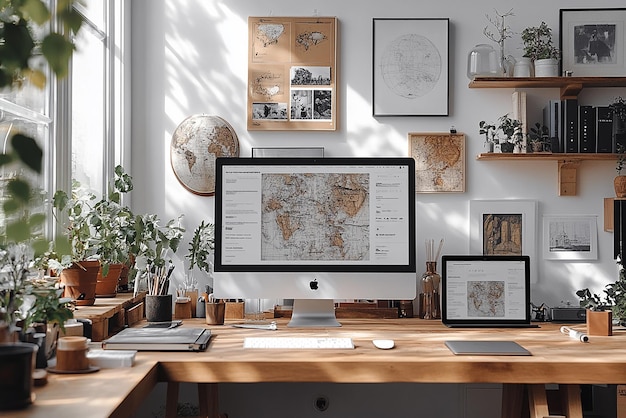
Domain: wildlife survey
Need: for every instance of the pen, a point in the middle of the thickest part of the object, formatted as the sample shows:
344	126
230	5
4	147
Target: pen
577	335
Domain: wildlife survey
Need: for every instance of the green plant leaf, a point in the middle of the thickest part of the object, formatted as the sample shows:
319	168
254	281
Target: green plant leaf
18	231
19	189
28	151
58	51
10	206
60	199
5	159
36	10
37	219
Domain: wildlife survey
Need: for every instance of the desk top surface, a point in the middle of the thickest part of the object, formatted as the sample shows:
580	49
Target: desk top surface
419	355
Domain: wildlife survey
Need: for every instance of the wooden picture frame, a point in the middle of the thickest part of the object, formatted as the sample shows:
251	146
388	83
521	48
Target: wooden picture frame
410	67
292	73
593	42
439	161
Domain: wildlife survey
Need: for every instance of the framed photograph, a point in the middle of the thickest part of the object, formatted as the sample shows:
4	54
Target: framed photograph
570	237
292	73
439	161
504	227
410	67
593	42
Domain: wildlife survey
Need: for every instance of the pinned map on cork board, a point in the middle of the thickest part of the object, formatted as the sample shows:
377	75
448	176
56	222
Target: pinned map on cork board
439	161
292	73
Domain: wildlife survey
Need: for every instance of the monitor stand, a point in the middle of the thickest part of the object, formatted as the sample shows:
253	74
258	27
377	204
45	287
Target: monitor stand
313	313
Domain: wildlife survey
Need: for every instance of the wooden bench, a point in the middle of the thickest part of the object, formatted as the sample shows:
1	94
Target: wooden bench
110	315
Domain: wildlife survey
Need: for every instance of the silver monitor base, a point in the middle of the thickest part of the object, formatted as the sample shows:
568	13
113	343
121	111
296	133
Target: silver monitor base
313	313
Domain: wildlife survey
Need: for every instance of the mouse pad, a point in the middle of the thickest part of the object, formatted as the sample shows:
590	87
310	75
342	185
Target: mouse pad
487	348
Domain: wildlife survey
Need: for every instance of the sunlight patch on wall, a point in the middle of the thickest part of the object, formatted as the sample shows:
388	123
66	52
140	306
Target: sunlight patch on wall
382	140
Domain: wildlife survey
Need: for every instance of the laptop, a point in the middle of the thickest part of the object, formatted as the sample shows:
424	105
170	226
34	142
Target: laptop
159	339
485	291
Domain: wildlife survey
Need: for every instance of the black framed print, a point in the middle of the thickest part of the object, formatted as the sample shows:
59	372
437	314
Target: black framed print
593	42
410	67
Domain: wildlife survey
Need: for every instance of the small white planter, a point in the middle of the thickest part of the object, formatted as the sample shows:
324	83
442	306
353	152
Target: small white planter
548	67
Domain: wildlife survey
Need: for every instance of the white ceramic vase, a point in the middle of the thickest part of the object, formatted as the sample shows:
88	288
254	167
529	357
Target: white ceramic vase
548	67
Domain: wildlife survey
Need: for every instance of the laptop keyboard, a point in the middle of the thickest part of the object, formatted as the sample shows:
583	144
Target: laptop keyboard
299	342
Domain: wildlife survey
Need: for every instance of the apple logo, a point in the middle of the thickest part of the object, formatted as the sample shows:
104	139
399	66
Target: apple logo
313	284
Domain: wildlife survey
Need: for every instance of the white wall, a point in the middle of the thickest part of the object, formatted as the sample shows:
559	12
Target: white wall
190	56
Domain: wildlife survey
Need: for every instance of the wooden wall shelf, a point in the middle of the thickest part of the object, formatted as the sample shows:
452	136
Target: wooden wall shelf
570	86
567	164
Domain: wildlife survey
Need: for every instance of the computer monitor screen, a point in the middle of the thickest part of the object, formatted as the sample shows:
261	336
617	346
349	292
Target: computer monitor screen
315	230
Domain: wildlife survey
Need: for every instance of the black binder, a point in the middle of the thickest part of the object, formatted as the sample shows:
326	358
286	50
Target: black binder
587	129
569	108
604	130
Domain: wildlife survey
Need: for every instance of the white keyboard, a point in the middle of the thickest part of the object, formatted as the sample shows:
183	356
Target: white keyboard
298	342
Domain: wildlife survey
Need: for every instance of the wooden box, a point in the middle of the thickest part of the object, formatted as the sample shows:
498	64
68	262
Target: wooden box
234	310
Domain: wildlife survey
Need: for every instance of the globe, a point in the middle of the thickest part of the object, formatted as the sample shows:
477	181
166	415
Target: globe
196	143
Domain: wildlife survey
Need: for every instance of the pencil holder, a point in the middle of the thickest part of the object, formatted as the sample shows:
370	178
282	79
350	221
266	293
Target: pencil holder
158	308
215	313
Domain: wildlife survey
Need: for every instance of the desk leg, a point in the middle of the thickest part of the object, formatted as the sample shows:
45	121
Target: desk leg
537	401
570	398
208	400
171	401
513	400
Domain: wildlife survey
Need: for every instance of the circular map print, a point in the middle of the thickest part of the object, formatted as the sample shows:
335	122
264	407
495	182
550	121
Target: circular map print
411	66
196	143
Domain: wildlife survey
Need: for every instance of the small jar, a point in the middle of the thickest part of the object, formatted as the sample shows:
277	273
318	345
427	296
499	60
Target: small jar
483	61
523	67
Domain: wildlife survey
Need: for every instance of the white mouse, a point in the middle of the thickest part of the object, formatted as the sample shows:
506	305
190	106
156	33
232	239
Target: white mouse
383	344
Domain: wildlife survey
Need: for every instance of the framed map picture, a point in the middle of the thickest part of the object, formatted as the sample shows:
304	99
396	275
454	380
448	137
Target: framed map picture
439	161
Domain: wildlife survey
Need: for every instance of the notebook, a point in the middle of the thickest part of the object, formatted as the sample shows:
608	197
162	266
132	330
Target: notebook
159	339
485	291
487	348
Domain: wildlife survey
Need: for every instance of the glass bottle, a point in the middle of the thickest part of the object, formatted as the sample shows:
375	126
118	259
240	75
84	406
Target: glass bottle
429	297
483	60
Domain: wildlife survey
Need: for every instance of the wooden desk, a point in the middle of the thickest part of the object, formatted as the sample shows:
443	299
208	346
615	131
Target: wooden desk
419	356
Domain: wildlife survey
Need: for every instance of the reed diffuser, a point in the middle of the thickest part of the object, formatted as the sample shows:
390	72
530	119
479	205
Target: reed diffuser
430	305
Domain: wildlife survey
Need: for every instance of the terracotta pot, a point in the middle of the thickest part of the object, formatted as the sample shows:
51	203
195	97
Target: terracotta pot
599	323
80	282
619	183
106	286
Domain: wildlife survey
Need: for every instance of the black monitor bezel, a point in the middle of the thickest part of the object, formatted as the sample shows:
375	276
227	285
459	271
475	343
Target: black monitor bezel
338	161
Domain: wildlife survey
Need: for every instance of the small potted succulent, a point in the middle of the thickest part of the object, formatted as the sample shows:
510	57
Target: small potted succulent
489	130
539	137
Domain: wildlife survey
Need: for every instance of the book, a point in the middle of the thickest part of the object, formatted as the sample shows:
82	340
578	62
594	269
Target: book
552	119
604	130
159	339
569	122
519	112
587	129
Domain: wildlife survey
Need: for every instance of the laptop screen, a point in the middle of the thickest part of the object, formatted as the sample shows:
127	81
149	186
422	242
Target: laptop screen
479	290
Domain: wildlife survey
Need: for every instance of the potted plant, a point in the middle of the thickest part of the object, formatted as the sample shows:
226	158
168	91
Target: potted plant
539	137
489	130
200	256
78	269
619	182
539	47
511	129
603	311
113	233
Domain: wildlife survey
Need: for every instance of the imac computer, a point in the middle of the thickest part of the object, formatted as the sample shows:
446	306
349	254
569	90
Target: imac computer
315	230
